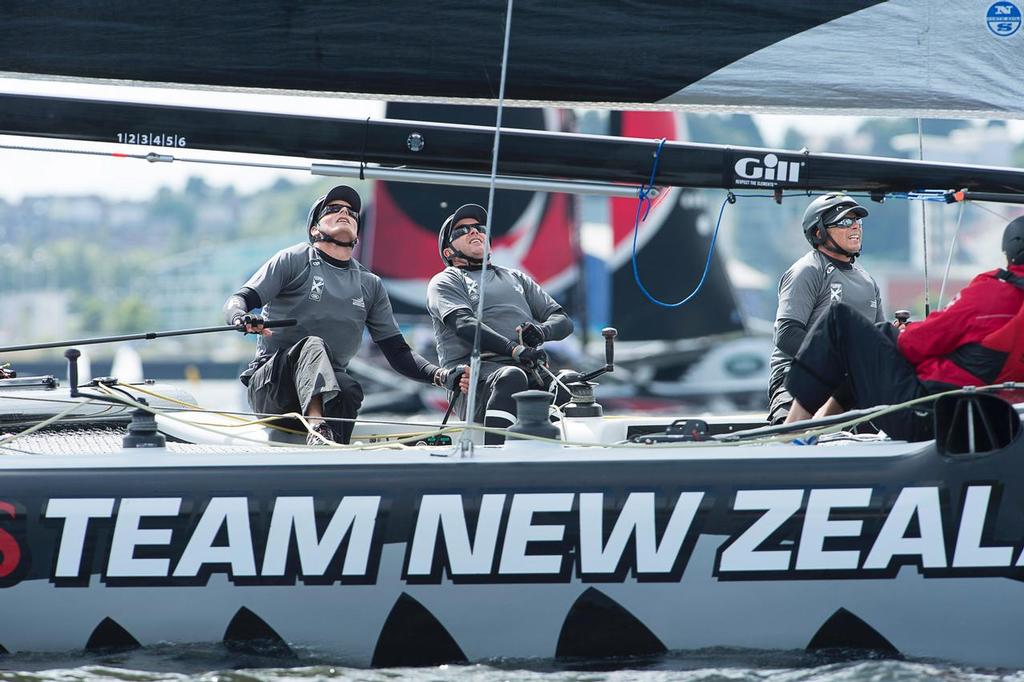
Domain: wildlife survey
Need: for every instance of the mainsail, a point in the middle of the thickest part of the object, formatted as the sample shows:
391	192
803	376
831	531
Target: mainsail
901	57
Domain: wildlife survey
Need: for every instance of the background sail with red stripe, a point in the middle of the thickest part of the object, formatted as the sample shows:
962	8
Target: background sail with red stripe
532	231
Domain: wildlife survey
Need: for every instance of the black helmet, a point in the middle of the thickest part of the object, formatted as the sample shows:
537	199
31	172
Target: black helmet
1013	241
475	211
826	210
339	193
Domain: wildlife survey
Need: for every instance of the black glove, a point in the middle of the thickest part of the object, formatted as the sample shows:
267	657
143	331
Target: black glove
529	357
532	333
254	321
449	378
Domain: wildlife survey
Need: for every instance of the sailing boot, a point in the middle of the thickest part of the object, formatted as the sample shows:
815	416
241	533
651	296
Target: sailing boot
319	433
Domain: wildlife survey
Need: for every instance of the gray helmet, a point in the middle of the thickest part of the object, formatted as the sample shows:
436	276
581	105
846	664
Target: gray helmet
1013	241
475	211
826	210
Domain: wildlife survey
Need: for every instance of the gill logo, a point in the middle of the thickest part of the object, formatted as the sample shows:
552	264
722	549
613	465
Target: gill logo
768	168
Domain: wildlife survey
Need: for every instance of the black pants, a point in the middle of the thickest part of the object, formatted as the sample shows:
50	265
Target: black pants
844	346
291	378
781	401
495	407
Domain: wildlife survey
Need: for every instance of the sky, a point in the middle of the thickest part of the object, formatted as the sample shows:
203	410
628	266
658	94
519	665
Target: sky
27	173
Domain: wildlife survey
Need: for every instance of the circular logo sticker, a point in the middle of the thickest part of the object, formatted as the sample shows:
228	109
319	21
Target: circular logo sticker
1003	18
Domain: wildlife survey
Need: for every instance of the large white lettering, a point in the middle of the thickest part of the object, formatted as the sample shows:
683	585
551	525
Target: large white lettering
127	536
892	541
811	555
636	519
446	513
76	514
521	532
232	512
742	554
968	552
355	516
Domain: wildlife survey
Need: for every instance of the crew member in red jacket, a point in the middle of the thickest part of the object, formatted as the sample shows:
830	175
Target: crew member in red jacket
969	343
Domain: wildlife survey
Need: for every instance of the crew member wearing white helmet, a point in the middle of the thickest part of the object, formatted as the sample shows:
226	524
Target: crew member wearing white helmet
334	298
518	318
827	274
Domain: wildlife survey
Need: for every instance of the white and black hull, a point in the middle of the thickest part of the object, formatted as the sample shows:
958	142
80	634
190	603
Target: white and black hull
407	557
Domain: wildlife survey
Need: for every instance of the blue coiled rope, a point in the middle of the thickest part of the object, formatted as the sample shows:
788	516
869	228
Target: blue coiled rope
644	206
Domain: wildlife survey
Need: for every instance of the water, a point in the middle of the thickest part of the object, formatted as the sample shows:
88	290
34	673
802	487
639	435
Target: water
214	663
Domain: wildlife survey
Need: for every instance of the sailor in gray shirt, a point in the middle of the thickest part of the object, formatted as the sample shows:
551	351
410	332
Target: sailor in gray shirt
518	317
333	298
825	275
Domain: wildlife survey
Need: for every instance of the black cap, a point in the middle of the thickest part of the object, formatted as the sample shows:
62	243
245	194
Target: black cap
474	211
344	193
841	212
339	193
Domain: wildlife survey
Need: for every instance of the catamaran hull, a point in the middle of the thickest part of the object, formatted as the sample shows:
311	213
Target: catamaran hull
412	559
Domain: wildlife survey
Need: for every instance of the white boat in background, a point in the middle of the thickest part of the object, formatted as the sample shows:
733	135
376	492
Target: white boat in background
127	365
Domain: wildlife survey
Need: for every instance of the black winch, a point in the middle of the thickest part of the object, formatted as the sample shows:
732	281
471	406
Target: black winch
581	390
142	430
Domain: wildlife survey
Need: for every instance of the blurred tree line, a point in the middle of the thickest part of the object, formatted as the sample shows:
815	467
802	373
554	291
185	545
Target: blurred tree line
101	262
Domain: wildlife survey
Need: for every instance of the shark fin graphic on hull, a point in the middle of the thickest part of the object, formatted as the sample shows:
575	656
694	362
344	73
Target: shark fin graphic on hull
110	636
844	631
247	633
598	627
413	636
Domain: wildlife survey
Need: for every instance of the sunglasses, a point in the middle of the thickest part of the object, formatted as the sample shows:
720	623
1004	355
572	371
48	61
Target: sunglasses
845	223
338	208
463	230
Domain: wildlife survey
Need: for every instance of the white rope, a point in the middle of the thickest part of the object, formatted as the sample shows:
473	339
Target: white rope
805	431
559	383
466	442
924	221
949	256
43	424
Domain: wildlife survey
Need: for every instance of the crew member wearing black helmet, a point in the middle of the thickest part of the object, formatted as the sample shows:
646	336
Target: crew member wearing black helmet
518	318
825	275
334	298
977	339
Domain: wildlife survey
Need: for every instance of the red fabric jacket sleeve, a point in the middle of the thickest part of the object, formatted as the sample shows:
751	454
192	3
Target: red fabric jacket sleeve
945	330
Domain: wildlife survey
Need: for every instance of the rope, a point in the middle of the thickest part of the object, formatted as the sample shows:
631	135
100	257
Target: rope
924	223
949	257
644	207
466	443
800	436
565	388
43	424
644	200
